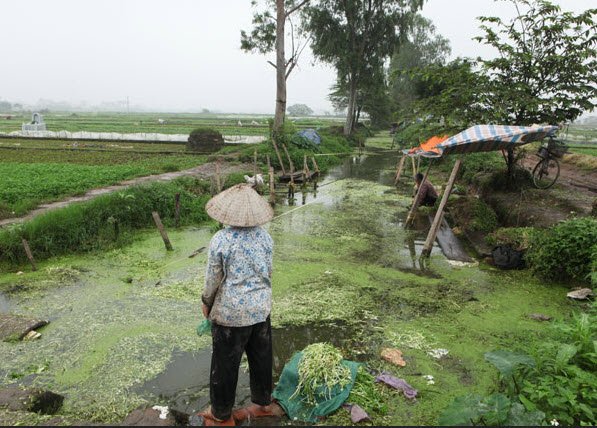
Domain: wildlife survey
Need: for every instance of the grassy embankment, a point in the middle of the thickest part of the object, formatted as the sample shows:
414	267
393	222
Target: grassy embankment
106	220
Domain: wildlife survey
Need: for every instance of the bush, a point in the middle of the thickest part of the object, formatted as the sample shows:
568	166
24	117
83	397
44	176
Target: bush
519	238
473	214
566	251
105	220
205	140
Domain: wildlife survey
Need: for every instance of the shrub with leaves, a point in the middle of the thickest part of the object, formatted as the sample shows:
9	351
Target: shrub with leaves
205	139
565	251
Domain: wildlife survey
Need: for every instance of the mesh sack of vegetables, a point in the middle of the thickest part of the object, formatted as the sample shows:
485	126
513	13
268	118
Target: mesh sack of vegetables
315	383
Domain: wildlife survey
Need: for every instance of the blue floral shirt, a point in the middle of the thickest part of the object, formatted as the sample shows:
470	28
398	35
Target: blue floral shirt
238	276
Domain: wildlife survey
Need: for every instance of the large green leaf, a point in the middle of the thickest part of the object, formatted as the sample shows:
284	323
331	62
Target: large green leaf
464	411
507	362
520	417
565	353
496	408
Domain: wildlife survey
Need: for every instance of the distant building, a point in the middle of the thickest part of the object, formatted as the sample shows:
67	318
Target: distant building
36	124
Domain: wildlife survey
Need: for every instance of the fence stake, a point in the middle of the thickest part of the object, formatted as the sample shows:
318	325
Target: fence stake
176	209
399	170
29	254
160	226
272	189
255	163
218	181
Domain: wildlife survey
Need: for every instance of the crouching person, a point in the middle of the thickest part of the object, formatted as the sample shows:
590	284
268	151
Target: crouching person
237	299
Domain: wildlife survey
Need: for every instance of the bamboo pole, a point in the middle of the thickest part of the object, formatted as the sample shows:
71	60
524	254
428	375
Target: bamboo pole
399	169
440	211
315	166
269	164
218	181
272	189
160	226
278	154
29	254
176	209
414	206
412	160
290	163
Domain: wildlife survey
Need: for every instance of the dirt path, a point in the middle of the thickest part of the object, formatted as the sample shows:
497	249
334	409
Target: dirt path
205	170
573	195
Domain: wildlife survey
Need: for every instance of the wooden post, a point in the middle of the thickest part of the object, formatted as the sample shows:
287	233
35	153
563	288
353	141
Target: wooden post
412	159
290	163
414	206
272	189
306	172
315	166
255	163
440	211
269	164
399	169
160	226
176	209
29	254
218	181
278	154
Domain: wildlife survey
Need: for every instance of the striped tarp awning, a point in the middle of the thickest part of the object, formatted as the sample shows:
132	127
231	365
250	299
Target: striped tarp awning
484	138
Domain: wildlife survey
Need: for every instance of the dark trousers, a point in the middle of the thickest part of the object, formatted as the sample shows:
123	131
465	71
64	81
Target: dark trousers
229	343
429	201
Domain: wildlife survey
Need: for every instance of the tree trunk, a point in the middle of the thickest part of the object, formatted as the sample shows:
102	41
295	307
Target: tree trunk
280	67
352	98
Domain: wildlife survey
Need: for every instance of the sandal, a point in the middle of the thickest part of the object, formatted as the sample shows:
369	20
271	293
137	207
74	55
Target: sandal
209	420
255	411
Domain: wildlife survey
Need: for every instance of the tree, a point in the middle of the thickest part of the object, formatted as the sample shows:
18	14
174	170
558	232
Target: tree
372	98
546	71
300	110
419	48
5	106
356	37
268	34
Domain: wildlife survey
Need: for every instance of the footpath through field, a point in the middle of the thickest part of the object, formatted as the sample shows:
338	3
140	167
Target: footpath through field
205	170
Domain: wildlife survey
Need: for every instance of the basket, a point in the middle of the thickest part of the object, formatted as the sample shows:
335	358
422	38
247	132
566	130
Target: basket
557	148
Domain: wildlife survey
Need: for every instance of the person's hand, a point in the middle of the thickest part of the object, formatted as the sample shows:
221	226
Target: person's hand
205	310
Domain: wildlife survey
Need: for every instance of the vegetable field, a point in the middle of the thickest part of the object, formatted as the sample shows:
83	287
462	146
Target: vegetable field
163	123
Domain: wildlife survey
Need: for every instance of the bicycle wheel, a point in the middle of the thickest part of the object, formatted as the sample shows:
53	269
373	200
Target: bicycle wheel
545	173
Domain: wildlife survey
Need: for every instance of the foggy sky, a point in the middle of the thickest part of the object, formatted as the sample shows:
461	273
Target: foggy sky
177	55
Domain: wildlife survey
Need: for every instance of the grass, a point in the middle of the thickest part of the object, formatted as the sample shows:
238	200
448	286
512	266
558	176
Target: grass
104	221
38	177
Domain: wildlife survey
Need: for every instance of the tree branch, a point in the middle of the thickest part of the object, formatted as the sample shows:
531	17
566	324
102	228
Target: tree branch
297	7
272	64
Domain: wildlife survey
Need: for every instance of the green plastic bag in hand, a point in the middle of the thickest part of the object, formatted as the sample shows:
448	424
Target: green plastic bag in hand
204	327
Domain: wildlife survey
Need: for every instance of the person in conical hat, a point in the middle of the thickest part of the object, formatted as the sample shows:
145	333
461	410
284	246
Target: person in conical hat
237	300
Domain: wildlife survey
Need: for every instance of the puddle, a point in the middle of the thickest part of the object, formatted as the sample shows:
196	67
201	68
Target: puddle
4	304
184	384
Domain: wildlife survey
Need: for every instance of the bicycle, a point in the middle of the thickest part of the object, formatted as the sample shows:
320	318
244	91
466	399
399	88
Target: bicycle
547	170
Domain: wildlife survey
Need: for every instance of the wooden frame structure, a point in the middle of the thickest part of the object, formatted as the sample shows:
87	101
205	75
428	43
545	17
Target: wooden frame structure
439	215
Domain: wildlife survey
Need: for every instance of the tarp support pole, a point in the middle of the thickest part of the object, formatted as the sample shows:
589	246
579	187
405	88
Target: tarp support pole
440	211
413	208
399	170
412	159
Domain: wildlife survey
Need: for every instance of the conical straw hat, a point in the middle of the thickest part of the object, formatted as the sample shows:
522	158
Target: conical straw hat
240	206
